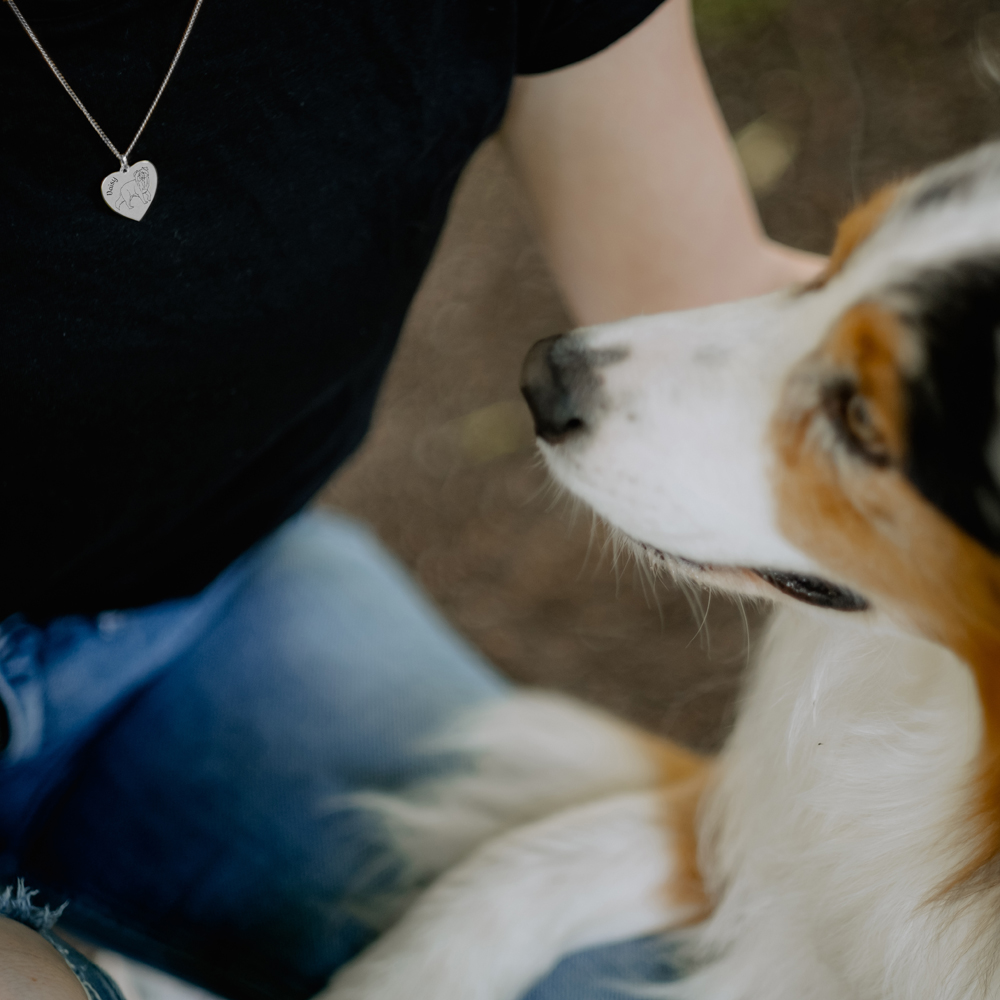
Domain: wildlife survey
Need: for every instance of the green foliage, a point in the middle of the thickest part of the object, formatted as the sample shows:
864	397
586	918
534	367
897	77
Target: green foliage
719	20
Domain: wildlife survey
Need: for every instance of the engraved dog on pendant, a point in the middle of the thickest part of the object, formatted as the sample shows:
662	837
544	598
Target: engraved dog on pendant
138	187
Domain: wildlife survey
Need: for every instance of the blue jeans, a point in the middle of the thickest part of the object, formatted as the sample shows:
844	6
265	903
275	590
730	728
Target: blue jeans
174	772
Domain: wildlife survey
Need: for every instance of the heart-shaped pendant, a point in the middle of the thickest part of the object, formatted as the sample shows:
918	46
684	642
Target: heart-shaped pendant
130	191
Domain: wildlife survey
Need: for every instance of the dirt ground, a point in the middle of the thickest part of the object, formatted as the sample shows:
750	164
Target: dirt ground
827	99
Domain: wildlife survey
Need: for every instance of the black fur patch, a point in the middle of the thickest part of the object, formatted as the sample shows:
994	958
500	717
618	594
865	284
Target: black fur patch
953	405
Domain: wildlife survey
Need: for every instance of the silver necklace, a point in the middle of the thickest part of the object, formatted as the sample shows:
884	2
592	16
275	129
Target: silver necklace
129	191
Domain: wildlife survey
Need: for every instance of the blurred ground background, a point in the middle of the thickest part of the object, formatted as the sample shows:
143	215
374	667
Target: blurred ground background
826	99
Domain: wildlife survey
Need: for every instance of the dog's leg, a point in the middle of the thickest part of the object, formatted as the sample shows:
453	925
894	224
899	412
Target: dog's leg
521	758
606	871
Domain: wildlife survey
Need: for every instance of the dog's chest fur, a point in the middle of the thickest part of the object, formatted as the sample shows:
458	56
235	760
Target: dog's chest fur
841	810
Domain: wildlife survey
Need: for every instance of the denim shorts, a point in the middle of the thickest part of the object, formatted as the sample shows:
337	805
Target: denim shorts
172	771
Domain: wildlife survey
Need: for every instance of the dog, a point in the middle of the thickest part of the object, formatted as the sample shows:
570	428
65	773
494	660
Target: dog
137	187
835	448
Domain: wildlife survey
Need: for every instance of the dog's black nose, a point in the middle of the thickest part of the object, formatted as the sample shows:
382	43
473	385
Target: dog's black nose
557	382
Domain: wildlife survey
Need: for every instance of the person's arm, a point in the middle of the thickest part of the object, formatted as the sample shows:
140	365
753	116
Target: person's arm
31	969
640	202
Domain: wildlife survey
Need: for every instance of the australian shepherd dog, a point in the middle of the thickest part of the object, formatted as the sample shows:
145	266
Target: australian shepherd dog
835	447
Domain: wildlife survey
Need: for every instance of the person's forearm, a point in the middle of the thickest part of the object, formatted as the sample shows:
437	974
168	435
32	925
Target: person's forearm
31	969
639	200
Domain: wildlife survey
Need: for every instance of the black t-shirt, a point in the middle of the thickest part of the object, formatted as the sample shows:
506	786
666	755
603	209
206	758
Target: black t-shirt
173	389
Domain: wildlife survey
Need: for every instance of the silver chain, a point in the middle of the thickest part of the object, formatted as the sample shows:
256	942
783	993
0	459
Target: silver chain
123	157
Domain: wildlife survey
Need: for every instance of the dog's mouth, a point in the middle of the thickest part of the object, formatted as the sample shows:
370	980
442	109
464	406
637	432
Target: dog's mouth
809	589
813	590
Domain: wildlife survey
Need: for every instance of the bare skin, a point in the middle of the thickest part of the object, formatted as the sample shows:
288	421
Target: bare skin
637	194
642	208
31	969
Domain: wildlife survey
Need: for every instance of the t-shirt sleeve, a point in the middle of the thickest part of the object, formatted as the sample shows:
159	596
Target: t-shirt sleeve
555	33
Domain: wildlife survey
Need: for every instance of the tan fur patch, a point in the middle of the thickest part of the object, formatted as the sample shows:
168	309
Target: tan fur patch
684	777
872	529
854	230
687	888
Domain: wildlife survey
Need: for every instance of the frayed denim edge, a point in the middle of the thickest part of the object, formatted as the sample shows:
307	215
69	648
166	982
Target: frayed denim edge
15	903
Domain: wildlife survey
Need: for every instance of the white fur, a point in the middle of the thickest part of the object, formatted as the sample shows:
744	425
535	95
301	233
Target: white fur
496	923
520	891
692	384
526	756
837	818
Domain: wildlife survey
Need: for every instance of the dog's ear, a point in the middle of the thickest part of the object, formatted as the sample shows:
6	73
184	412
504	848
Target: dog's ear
954	431
855	228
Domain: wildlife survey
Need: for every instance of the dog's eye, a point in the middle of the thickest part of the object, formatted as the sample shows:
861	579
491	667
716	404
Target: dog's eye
858	418
851	413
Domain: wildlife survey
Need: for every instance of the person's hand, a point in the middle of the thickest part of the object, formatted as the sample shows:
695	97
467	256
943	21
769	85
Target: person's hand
31	969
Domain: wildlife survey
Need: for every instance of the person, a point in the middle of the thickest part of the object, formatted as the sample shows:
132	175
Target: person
193	672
